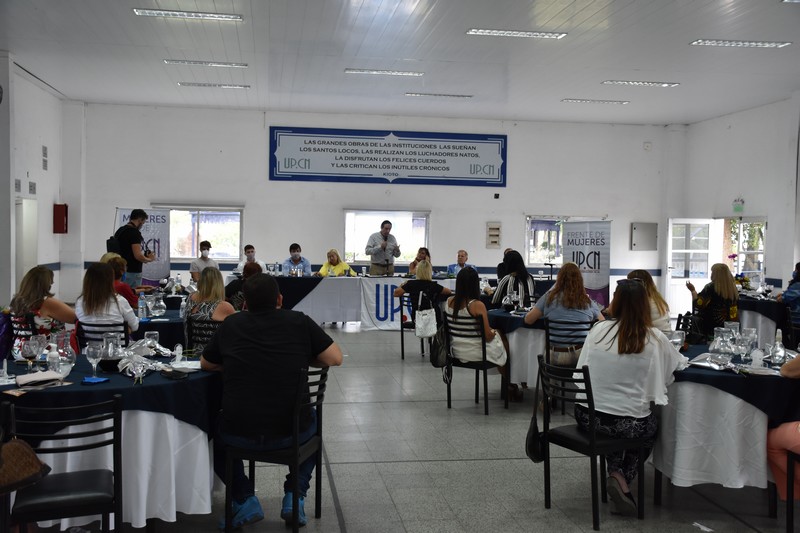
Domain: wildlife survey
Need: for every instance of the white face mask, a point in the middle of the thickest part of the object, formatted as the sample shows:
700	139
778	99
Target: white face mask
295	256
204	254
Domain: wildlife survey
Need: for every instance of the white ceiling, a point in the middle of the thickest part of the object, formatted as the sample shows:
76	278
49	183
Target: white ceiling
297	50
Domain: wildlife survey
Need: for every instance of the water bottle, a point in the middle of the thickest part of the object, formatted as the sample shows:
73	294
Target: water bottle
178	279
778	351
182	311
142	306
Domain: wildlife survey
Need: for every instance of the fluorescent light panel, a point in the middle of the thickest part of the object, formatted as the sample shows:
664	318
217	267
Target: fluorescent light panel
382	72
791	1
213	85
195	15
642	83
438	95
588	101
513	33
740	44
204	63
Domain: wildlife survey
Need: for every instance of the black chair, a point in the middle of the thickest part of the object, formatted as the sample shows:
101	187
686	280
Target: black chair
590	443
78	493
564	336
792	327
199	331
468	327
94	332
791	459
405	303
310	394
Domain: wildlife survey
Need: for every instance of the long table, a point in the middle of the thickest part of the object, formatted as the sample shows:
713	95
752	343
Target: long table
166	450
525	344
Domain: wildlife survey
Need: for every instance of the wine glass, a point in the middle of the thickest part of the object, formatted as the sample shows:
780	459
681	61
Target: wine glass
151	339
28	351
38	343
94	351
677	338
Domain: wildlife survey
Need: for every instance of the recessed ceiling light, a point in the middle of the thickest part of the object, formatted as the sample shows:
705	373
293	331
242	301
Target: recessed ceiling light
791	1
198	15
439	95
587	101
740	44
204	63
213	85
382	72
642	83
512	33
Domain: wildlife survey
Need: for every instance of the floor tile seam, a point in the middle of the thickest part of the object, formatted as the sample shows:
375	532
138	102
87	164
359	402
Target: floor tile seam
725	510
334	493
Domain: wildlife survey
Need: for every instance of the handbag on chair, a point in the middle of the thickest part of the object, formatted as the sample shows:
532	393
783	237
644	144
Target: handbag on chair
534	447
19	466
424	320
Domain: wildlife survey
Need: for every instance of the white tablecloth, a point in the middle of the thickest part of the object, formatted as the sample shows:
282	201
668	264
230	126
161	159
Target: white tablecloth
709	436
525	345
333	300
167	467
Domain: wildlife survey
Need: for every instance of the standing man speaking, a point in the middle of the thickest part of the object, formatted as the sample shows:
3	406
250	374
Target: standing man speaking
132	247
382	248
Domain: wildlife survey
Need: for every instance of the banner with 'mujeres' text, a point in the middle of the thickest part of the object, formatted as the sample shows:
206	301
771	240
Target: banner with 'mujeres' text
588	245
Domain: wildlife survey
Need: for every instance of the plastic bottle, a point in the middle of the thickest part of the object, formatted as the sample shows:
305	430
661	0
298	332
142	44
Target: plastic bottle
182	311
178	279
142	306
778	351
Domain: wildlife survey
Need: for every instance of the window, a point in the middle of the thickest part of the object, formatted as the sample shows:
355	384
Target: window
744	239
690	244
410	228
222	227
543	241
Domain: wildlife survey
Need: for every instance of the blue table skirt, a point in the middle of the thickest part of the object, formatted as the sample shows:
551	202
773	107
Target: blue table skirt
776	396
169	328
508	322
195	400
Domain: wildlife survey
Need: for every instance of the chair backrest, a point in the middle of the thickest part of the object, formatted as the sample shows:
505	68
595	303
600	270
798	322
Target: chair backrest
199	331
311	387
565	332
23	326
94	332
463	326
574	387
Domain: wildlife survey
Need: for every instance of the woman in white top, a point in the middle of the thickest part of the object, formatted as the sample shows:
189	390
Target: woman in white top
99	303
630	364
467	302
659	310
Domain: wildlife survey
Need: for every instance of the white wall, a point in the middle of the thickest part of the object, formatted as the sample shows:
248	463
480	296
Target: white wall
752	154
142	155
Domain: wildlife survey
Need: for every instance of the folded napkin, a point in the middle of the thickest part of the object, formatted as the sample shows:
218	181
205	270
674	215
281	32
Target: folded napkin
39	378
195	365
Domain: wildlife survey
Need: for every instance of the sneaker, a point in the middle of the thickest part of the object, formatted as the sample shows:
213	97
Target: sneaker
622	502
286	510
244	513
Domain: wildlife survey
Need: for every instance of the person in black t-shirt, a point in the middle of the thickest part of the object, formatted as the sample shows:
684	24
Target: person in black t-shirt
260	353
131	249
424	284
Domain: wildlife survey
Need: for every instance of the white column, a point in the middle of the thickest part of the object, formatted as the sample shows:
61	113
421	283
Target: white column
7	223
73	193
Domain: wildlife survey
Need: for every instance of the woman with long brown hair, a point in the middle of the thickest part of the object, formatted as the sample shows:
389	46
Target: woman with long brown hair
567	301
718	301
99	303
34	310
659	310
630	364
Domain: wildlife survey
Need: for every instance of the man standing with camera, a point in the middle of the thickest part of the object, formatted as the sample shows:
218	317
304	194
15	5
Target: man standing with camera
132	247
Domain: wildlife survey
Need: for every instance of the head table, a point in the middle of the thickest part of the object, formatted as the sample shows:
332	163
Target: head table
166	428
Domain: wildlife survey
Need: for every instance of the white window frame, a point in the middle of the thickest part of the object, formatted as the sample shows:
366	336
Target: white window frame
354	253
198	237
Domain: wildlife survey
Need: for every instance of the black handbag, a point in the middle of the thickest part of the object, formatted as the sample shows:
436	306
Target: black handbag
534	440
438	356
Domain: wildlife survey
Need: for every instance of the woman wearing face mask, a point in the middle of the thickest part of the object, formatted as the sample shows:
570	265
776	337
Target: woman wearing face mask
202	262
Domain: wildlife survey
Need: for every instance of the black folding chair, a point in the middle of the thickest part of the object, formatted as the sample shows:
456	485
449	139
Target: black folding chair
565	336
405	304
557	386
94	332
310	395
56	430
467	327
199	332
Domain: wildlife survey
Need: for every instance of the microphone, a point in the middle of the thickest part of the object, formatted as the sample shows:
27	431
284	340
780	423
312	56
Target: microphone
385	237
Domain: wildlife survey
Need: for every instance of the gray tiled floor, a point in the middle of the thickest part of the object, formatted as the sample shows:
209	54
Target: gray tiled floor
397	460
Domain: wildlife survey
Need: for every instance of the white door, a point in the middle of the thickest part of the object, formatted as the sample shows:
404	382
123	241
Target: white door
693	245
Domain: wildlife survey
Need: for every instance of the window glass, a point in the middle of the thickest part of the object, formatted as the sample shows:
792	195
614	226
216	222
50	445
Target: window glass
410	228
543	242
745	248
222	228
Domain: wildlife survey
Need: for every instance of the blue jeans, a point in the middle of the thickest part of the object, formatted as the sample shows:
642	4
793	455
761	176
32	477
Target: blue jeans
243	487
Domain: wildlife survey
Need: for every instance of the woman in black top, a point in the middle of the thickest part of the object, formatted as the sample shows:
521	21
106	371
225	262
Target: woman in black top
424	284
518	279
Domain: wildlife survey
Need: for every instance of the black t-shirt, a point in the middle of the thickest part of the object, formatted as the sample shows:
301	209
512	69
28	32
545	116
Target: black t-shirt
127	236
262	354
431	291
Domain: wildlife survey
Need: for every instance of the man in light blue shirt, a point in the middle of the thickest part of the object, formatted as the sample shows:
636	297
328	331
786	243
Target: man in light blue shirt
455	268
296	262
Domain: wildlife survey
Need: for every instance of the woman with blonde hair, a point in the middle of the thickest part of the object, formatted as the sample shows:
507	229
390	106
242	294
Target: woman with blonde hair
335	266
566	301
208	305
423	284
631	364
718	301
659	310
34	310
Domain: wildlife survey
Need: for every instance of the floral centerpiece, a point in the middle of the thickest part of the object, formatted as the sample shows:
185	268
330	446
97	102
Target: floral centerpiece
741	280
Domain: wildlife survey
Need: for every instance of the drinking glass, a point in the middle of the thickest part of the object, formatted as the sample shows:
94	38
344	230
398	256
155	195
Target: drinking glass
150	299
94	352
677	338
39	342
151	338
29	353
733	326
271	268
